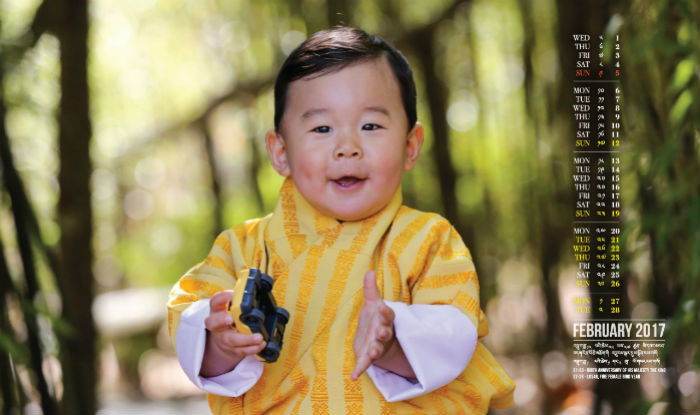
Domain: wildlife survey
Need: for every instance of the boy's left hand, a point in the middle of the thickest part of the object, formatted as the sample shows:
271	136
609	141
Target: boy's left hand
375	328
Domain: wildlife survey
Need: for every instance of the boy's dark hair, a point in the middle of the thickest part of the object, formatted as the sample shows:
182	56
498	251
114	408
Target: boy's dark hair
333	49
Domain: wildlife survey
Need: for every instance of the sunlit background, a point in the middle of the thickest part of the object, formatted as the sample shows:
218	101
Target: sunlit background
181	96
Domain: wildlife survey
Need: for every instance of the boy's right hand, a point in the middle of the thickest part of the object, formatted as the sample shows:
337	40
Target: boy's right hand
225	346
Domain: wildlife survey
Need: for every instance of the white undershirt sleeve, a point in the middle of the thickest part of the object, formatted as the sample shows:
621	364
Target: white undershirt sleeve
438	341
189	344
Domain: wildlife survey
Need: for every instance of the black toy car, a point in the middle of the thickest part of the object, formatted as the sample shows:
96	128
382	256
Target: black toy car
254	306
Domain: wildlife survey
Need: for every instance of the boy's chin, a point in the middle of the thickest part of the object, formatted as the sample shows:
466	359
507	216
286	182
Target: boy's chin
350	215
344	218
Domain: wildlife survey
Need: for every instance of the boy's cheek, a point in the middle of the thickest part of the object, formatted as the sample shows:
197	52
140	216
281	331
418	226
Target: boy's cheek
307	165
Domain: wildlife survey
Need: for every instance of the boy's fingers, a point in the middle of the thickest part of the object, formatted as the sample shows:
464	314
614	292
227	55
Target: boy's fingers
377	350
371	290
384	333
236	339
219	301
218	321
374	350
387	314
249	350
362	364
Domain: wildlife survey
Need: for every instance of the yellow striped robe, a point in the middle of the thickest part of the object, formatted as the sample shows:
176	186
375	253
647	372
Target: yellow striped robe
318	265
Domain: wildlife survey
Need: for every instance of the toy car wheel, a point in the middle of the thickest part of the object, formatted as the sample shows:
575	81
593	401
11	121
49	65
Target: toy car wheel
283	315
254	317
267	281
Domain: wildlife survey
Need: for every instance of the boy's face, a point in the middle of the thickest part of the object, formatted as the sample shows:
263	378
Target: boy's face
343	139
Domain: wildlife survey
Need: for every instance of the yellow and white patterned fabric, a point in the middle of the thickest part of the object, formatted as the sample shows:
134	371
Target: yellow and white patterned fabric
318	265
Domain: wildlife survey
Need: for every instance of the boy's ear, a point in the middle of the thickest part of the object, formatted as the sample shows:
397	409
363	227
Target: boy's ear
277	149
414	142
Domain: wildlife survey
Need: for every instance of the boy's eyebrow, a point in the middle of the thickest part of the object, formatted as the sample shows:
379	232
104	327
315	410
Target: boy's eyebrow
378	109
313	111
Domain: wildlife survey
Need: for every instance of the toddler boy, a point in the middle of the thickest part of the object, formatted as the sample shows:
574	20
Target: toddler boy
383	299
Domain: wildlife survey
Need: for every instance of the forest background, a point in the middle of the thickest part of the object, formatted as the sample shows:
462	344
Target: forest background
132	133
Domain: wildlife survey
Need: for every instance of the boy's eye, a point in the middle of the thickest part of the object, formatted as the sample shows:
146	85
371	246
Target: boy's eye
322	129
371	127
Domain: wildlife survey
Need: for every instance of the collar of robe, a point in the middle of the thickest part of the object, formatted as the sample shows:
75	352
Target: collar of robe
301	225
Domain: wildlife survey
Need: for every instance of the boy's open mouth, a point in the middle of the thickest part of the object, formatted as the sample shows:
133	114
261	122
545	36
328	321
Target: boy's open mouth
348	181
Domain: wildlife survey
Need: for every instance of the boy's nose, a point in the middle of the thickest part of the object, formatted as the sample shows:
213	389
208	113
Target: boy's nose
347	147
340	153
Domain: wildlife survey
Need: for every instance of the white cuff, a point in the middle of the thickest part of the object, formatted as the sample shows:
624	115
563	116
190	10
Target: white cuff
438	341
190	340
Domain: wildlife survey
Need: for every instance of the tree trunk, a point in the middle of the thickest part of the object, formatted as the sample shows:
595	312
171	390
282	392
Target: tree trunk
78	354
423	42
21	212
254	169
218	214
8	382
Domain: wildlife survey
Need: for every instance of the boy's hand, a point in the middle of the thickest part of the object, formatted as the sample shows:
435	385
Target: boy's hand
225	346
375	328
